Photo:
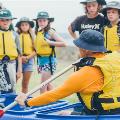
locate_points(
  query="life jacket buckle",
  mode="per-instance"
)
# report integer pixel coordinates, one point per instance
(94, 109)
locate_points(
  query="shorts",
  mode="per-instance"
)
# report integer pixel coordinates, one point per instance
(44, 64)
(47, 68)
(28, 66)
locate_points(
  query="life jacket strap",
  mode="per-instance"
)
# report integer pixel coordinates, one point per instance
(52, 54)
(118, 30)
(23, 44)
(86, 61)
(3, 43)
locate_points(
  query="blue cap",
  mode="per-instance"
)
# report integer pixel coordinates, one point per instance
(91, 40)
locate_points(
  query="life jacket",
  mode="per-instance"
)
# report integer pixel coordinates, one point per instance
(41, 45)
(26, 44)
(7, 45)
(112, 37)
(43, 48)
(107, 100)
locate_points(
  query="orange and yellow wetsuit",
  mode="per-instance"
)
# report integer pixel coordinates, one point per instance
(86, 80)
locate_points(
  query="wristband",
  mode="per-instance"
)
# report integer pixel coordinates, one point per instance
(26, 104)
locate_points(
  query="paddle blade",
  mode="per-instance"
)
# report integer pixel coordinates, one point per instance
(1, 113)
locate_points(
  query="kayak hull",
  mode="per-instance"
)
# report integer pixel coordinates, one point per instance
(48, 112)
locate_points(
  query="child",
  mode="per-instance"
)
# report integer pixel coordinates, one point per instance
(112, 30)
(46, 41)
(91, 20)
(9, 52)
(26, 40)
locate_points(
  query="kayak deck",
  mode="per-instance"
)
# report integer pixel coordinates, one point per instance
(48, 112)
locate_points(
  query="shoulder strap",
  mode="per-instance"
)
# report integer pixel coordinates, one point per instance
(85, 109)
(118, 30)
(3, 43)
(95, 102)
(106, 34)
(51, 55)
(86, 61)
(53, 47)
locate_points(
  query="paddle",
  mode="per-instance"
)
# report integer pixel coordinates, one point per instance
(2, 111)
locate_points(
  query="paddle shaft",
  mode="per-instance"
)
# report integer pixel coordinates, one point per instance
(41, 85)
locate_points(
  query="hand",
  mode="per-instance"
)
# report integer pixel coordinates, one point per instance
(19, 75)
(21, 98)
(24, 59)
(48, 41)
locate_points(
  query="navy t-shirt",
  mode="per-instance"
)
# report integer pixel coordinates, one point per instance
(83, 22)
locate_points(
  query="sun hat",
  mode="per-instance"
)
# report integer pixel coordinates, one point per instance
(91, 40)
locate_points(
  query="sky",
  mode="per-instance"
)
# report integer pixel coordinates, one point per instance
(64, 11)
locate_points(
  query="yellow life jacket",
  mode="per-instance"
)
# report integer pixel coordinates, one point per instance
(7, 45)
(26, 44)
(42, 47)
(111, 38)
(109, 96)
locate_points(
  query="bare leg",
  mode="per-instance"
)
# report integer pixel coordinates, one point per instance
(45, 76)
(25, 81)
(49, 87)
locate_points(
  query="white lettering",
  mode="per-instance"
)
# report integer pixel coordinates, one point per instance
(88, 26)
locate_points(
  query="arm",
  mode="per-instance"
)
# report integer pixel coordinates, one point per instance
(59, 42)
(78, 82)
(19, 68)
(26, 58)
(33, 54)
(74, 26)
(73, 34)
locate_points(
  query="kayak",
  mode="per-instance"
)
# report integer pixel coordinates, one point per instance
(53, 114)
(48, 112)
(24, 113)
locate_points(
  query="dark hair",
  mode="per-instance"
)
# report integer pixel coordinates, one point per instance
(86, 11)
(46, 29)
(119, 13)
(105, 14)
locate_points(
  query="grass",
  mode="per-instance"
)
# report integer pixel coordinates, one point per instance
(35, 79)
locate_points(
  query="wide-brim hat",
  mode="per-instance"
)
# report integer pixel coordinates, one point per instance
(25, 19)
(6, 14)
(91, 40)
(8, 18)
(113, 4)
(44, 15)
(101, 2)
